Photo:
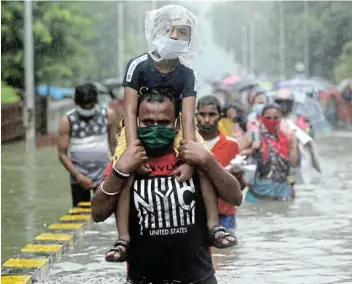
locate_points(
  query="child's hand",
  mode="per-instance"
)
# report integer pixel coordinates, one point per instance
(144, 169)
(183, 172)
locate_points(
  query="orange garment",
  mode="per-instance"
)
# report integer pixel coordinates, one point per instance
(225, 150)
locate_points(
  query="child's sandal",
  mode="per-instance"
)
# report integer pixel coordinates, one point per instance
(117, 248)
(217, 241)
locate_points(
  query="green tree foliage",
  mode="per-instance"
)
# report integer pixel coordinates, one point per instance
(103, 49)
(73, 41)
(329, 27)
(8, 94)
(59, 29)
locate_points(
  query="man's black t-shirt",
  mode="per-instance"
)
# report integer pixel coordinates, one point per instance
(168, 227)
(141, 72)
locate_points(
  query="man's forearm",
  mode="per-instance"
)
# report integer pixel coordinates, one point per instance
(104, 205)
(66, 161)
(227, 186)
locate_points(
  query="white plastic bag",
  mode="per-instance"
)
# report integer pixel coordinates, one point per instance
(159, 23)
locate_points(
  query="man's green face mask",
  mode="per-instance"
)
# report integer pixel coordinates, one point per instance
(156, 137)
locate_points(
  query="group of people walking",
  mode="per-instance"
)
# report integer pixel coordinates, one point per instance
(164, 175)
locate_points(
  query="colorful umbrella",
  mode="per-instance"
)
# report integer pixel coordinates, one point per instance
(232, 80)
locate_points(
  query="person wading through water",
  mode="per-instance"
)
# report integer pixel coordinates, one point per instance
(169, 237)
(87, 140)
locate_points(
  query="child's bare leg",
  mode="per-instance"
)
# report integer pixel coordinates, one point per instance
(121, 218)
(187, 131)
(210, 201)
(131, 101)
(211, 207)
(188, 113)
(184, 171)
(130, 109)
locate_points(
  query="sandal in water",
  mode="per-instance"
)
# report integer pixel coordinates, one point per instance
(218, 241)
(118, 248)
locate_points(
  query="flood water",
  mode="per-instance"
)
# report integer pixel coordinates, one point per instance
(35, 192)
(308, 240)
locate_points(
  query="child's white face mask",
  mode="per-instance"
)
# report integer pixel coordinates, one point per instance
(161, 22)
(168, 48)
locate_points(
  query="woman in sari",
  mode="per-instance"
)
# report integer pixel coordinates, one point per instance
(273, 153)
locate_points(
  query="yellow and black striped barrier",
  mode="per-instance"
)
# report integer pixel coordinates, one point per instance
(84, 204)
(35, 259)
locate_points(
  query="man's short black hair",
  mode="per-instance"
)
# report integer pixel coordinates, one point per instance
(209, 100)
(85, 94)
(159, 95)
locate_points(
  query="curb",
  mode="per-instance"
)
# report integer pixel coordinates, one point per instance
(36, 259)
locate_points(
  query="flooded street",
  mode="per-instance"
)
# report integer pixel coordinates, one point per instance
(35, 192)
(257, 71)
(305, 241)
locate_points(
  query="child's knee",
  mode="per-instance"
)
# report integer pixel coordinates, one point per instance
(201, 140)
(177, 141)
(121, 145)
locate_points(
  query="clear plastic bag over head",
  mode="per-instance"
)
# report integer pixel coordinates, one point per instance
(167, 23)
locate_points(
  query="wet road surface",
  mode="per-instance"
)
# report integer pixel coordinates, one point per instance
(308, 240)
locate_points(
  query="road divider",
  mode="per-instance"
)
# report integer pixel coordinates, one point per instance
(34, 261)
